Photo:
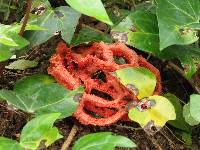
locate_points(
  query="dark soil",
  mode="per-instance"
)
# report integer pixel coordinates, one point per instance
(12, 121)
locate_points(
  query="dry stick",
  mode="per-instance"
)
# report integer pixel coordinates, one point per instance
(28, 10)
(181, 72)
(69, 139)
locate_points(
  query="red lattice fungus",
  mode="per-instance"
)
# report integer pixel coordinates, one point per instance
(104, 99)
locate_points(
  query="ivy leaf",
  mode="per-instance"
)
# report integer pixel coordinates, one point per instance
(159, 114)
(4, 38)
(102, 140)
(61, 19)
(9, 36)
(10, 40)
(8, 144)
(187, 115)
(195, 106)
(146, 38)
(174, 16)
(7, 40)
(37, 94)
(141, 30)
(30, 84)
(22, 64)
(92, 8)
(5, 52)
(87, 34)
(180, 121)
(39, 129)
(143, 79)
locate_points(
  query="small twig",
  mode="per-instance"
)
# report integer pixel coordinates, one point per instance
(28, 10)
(69, 139)
(174, 135)
(175, 67)
(181, 72)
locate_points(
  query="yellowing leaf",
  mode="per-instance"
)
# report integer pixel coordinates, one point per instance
(159, 114)
(143, 79)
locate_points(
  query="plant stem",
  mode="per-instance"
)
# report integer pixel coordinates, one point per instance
(69, 139)
(28, 10)
(181, 72)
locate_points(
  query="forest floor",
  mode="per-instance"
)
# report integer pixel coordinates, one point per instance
(12, 121)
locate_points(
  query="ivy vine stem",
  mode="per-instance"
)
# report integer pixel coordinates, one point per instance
(69, 139)
(28, 10)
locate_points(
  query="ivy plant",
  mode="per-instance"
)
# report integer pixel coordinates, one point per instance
(62, 19)
(38, 94)
(178, 20)
(102, 140)
(34, 132)
(10, 40)
(141, 29)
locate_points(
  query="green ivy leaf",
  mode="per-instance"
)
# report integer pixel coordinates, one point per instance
(9, 37)
(37, 94)
(8, 144)
(10, 40)
(102, 141)
(180, 121)
(22, 64)
(195, 106)
(28, 85)
(87, 34)
(174, 16)
(143, 79)
(187, 115)
(6, 40)
(141, 29)
(146, 38)
(39, 129)
(61, 19)
(92, 8)
(20, 41)
(159, 114)
(5, 52)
